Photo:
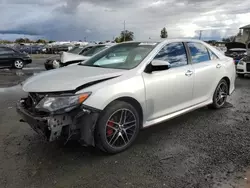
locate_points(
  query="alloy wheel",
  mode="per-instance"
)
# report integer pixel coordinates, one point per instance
(18, 64)
(221, 94)
(120, 128)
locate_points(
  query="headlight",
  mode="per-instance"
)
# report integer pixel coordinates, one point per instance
(241, 62)
(66, 103)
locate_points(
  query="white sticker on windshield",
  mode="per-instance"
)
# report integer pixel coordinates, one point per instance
(148, 43)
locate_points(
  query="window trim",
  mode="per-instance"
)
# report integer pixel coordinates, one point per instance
(186, 52)
(190, 55)
(212, 53)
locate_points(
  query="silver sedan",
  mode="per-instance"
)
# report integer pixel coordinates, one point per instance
(106, 100)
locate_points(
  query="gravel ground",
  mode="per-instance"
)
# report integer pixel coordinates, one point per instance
(204, 148)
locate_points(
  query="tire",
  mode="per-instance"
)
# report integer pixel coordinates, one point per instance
(220, 95)
(240, 75)
(18, 64)
(113, 137)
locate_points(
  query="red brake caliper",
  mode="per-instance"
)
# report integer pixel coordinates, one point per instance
(109, 129)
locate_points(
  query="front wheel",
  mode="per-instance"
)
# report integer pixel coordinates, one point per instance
(220, 95)
(117, 127)
(18, 64)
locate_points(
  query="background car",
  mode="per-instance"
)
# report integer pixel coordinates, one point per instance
(243, 67)
(13, 58)
(236, 50)
(76, 55)
(54, 62)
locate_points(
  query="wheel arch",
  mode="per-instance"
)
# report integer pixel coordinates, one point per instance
(134, 103)
(228, 83)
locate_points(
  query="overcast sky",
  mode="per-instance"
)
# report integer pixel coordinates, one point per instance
(103, 19)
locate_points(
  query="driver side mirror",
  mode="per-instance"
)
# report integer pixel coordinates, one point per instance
(157, 65)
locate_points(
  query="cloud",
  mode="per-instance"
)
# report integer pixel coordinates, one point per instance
(103, 19)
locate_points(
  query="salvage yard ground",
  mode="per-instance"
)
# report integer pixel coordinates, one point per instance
(204, 148)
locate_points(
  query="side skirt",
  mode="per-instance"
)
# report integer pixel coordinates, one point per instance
(175, 114)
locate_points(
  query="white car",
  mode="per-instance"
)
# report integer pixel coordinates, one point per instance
(104, 103)
(71, 58)
(243, 67)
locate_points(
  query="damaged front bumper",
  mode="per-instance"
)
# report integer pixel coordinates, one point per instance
(78, 124)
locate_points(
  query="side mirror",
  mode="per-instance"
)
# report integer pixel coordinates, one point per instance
(160, 63)
(157, 65)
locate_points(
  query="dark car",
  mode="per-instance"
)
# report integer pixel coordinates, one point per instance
(13, 58)
(236, 50)
(32, 49)
(54, 61)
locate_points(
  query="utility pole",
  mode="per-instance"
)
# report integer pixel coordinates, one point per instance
(124, 31)
(200, 35)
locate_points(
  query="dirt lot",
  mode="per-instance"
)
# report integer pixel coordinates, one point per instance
(204, 148)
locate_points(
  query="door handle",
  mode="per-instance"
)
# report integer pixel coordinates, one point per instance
(218, 66)
(189, 73)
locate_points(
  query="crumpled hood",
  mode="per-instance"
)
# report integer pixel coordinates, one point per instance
(68, 78)
(67, 57)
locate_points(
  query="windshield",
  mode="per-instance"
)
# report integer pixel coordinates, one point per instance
(94, 50)
(121, 56)
(75, 50)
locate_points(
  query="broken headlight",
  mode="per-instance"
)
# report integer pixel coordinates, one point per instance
(66, 103)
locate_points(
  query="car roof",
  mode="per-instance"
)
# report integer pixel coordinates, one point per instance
(166, 41)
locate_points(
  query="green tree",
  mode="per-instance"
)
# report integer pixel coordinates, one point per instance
(41, 41)
(117, 39)
(164, 33)
(126, 36)
(51, 41)
(20, 40)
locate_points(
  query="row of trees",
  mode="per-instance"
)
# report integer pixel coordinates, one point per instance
(129, 35)
(26, 40)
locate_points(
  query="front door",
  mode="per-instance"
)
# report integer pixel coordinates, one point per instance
(169, 90)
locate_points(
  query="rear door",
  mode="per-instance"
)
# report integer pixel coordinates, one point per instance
(206, 71)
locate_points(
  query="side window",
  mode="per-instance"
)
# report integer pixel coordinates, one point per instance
(4, 50)
(199, 52)
(174, 53)
(212, 55)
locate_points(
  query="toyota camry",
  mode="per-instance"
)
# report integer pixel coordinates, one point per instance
(106, 100)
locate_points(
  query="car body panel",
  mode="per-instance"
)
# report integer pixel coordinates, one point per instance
(71, 77)
(163, 82)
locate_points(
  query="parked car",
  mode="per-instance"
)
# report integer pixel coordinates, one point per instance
(13, 58)
(243, 67)
(55, 61)
(236, 50)
(70, 58)
(32, 49)
(106, 104)
(75, 56)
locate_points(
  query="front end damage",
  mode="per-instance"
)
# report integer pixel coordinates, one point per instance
(77, 124)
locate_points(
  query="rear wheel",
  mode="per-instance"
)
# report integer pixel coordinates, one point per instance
(240, 75)
(117, 127)
(18, 64)
(220, 95)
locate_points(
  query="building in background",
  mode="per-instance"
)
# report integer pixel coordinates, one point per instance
(244, 34)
